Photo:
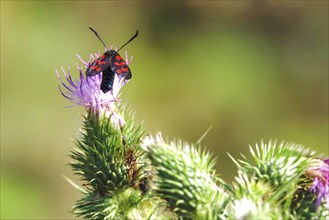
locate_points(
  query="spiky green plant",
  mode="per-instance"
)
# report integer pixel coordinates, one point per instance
(282, 170)
(126, 175)
(186, 179)
(107, 159)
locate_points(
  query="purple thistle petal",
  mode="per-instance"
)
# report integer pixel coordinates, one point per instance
(127, 58)
(69, 78)
(59, 87)
(320, 171)
(64, 72)
(91, 57)
(80, 89)
(58, 76)
(82, 61)
(78, 67)
(68, 88)
(60, 79)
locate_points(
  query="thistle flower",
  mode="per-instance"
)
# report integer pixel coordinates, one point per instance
(320, 171)
(86, 90)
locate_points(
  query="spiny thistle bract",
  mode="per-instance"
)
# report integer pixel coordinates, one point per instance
(102, 156)
(276, 164)
(186, 179)
(251, 199)
(311, 200)
(128, 176)
(285, 169)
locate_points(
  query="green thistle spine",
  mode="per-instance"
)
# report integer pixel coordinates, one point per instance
(107, 158)
(185, 178)
(281, 168)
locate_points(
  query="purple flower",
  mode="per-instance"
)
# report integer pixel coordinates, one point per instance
(320, 171)
(86, 90)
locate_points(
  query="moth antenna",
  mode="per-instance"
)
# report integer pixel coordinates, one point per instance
(132, 38)
(95, 32)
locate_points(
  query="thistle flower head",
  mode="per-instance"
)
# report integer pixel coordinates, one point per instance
(320, 171)
(86, 90)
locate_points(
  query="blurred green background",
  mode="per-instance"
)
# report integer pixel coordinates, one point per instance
(252, 70)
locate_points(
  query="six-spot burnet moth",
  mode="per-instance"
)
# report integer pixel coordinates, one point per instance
(110, 63)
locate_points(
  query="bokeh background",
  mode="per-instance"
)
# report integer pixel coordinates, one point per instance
(252, 70)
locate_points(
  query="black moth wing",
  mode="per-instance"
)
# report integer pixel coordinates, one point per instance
(99, 65)
(119, 66)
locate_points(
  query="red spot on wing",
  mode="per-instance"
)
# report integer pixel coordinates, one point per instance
(93, 67)
(99, 62)
(98, 69)
(118, 57)
(122, 63)
(122, 70)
